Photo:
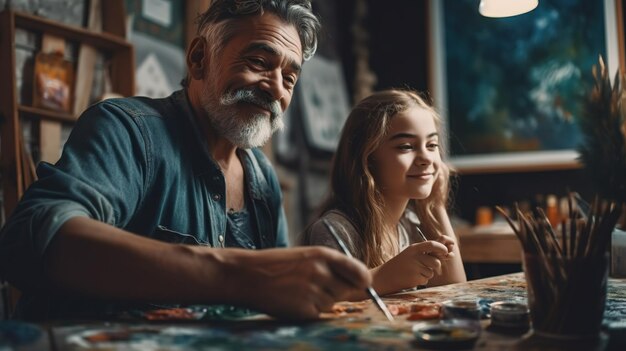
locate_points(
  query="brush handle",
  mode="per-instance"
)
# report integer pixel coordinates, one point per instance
(369, 290)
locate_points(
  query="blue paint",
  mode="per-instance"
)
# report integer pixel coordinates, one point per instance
(14, 333)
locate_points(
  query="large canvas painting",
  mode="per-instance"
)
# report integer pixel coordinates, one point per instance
(511, 89)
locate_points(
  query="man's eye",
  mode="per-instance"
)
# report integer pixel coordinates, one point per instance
(256, 62)
(290, 81)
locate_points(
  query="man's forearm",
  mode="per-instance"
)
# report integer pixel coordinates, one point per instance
(92, 258)
(95, 259)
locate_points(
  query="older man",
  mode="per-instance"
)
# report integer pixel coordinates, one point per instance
(152, 200)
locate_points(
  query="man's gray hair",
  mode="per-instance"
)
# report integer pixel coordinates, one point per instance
(213, 24)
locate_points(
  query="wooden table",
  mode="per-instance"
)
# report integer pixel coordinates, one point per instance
(365, 328)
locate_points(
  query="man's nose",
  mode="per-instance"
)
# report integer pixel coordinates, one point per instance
(273, 86)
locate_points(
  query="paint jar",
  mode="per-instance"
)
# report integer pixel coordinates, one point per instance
(566, 295)
(509, 317)
(445, 335)
(462, 309)
(618, 253)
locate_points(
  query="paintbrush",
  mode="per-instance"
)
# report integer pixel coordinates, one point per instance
(421, 233)
(370, 291)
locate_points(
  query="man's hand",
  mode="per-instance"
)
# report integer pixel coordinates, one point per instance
(297, 283)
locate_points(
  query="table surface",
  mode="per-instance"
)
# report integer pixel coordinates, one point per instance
(354, 326)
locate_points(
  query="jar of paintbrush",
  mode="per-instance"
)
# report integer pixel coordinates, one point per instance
(566, 269)
(566, 295)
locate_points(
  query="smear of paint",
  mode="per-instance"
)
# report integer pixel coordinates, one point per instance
(13, 333)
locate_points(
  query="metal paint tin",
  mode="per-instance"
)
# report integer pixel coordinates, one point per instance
(461, 308)
(509, 314)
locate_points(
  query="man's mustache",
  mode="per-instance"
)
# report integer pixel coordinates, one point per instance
(253, 96)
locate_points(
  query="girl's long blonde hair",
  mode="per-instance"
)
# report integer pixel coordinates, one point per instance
(353, 188)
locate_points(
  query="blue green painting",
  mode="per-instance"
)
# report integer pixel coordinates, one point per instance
(518, 83)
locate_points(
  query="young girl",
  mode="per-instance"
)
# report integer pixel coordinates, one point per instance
(388, 186)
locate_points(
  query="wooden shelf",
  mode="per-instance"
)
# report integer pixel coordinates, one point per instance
(40, 113)
(17, 173)
(102, 40)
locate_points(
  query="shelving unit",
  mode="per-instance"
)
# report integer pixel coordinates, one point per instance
(15, 162)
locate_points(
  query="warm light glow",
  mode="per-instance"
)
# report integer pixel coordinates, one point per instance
(506, 8)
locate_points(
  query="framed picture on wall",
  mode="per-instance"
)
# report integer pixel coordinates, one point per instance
(511, 89)
(157, 29)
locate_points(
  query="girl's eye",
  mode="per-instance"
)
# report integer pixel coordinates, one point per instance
(433, 145)
(405, 147)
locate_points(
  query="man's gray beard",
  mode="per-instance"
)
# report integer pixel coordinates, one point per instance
(243, 131)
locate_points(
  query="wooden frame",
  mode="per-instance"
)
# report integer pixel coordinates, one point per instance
(504, 161)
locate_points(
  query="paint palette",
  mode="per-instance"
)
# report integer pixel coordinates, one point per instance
(416, 311)
(197, 313)
(349, 334)
(345, 308)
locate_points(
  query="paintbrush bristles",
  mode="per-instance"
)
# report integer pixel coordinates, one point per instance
(582, 235)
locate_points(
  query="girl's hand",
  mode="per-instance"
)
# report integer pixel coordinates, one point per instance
(449, 244)
(414, 266)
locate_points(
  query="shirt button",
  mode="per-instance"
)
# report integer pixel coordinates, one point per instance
(217, 197)
(220, 238)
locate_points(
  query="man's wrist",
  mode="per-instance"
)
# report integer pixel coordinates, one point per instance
(235, 275)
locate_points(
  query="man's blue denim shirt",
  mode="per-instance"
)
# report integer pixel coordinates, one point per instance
(142, 165)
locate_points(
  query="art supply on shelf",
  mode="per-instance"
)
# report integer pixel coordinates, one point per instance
(53, 82)
(484, 215)
(552, 210)
(370, 291)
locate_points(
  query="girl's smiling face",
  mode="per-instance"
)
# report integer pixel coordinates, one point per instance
(407, 162)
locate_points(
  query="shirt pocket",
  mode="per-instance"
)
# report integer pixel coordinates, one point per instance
(163, 233)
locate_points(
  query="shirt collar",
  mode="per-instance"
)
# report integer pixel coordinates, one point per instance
(202, 161)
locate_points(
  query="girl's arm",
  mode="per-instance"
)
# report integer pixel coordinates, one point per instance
(452, 270)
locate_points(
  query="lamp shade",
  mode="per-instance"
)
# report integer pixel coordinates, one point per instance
(506, 8)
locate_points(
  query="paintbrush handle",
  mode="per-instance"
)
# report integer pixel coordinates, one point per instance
(421, 233)
(379, 303)
(369, 290)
